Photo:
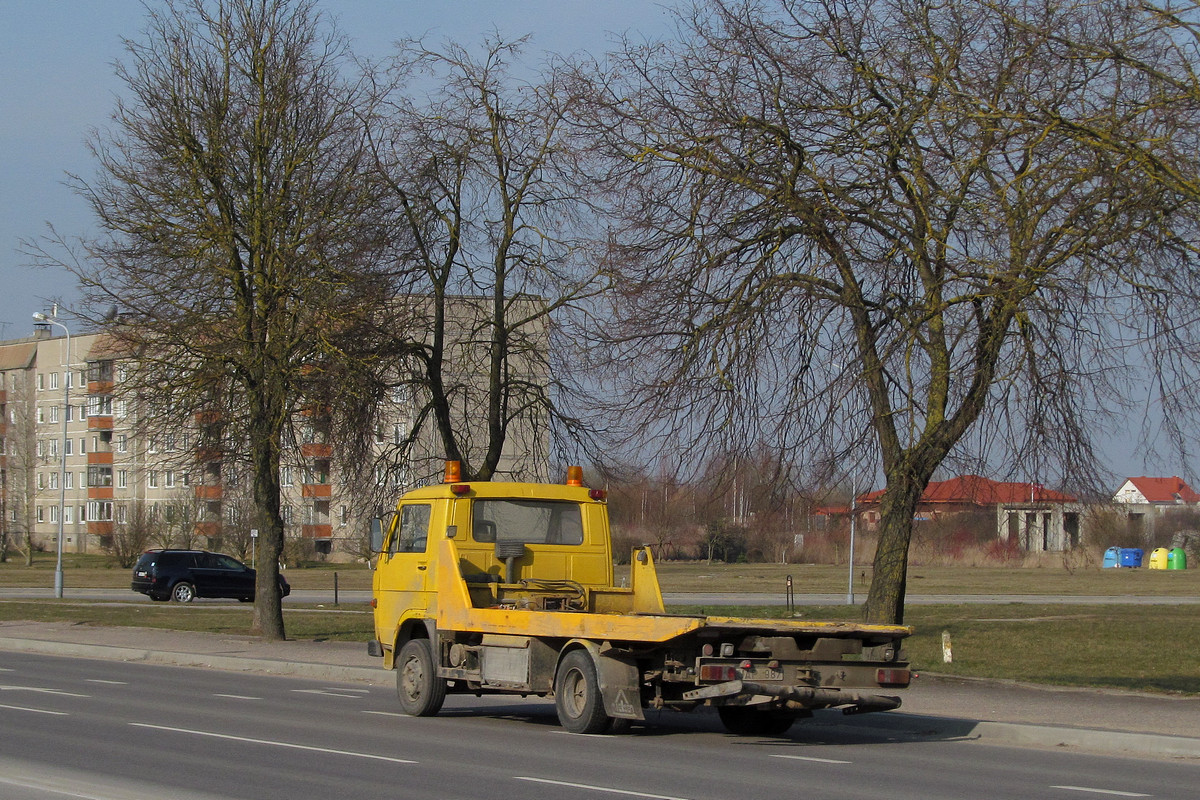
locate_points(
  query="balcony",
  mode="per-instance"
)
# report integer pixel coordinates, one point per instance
(100, 422)
(98, 528)
(100, 493)
(316, 490)
(321, 450)
(316, 531)
(100, 457)
(209, 529)
(100, 387)
(210, 492)
(204, 418)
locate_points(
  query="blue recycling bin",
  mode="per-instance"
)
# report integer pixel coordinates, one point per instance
(1112, 557)
(1131, 556)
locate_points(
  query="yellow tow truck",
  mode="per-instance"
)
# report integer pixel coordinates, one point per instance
(488, 587)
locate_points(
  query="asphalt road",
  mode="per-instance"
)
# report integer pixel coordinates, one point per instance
(673, 598)
(118, 731)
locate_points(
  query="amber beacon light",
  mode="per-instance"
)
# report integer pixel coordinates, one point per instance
(574, 476)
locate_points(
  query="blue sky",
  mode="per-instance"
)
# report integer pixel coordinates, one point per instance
(56, 59)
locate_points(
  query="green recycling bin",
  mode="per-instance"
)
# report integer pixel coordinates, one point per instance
(1177, 559)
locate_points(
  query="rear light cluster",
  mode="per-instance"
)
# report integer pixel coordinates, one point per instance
(718, 672)
(893, 677)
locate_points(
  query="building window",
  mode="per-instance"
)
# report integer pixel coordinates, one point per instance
(54, 513)
(53, 480)
(41, 415)
(152, 445)
(67, 513)
(41, 384)
(53, 380)
(100, 405)
(53, 414)
(122, 479)
(101, 475)
(152, 479)
(169, 479)
(285, 476)
(41, 481)
(121, 516)
(41, 514)
(83, 446)
(122, 444)
(68, 446)
(345, 517)
(69, 477)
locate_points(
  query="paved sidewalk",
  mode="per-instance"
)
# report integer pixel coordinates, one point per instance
(934, 707)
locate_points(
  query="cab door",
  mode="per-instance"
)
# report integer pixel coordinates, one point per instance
(406, 580)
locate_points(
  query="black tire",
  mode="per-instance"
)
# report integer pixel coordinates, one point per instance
(420, 690)
(577, 695)
(746, 721)
(183, 592)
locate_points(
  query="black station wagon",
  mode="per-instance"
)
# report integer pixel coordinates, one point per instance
(183, 575)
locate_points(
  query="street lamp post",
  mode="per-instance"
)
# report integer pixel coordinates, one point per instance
(62, 475)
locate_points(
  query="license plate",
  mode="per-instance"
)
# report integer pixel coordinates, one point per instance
(766, 674)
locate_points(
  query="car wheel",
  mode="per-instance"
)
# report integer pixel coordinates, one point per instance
(420, 690)
(183, 592)
(745, 721)
(577, 695)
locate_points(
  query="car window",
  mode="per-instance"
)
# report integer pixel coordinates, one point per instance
(413, 536)
(227, 562)
(177, 559)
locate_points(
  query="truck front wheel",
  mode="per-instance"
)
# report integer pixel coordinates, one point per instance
(420, 690)
(577, 695)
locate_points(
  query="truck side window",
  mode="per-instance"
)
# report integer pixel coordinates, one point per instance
(529, 521)
(413, 535)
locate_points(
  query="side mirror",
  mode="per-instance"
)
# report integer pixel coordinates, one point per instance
(375, 542)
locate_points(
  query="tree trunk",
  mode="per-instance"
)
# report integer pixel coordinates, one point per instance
(265, 441)
(897, 506)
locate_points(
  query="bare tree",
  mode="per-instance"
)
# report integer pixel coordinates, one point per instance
(239, 212)
(493, 237)
(133, 531)
(898, 232)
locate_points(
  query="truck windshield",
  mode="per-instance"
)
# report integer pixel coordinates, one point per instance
(529, 521)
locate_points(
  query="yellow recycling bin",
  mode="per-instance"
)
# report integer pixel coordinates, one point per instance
(1158, 559)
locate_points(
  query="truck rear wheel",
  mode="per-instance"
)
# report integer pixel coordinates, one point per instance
(420, 690)
(749, 721)
(577, 695)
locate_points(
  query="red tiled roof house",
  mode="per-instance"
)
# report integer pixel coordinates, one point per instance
(1037, 518)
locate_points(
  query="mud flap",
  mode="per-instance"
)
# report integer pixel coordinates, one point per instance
(619, 686)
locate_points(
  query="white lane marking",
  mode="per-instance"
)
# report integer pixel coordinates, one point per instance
(269, 743)
(328, 692)
(36, 710)
(386, 713)
(237, 697)
(1112, 792)
(42, 787)
(607, 789)
(812, 758)
(107, 683)
(39, 690)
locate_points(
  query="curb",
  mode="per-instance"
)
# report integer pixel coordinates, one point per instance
(265, 666)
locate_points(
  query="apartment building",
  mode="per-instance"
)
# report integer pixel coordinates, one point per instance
(76, 455)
